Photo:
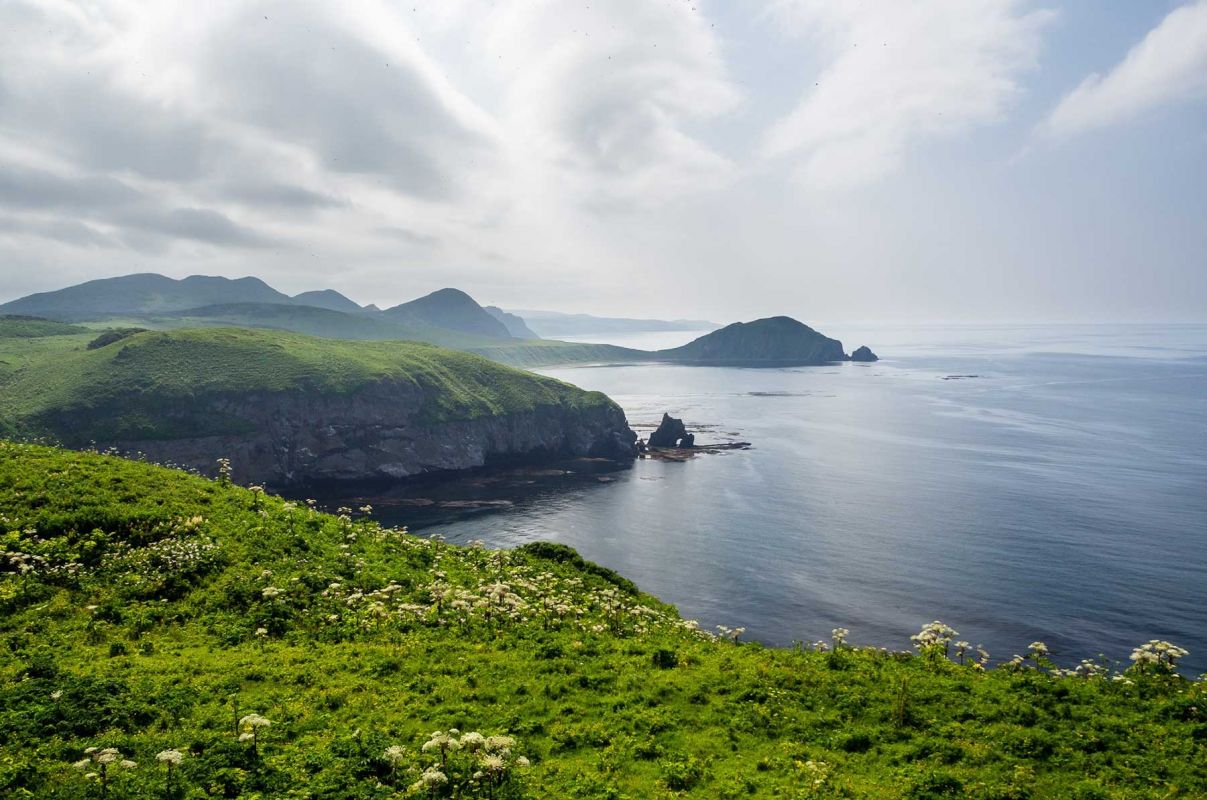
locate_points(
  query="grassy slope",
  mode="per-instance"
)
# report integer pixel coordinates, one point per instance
(19, 327)
(339, 325)
(118, 391)
(151, 643)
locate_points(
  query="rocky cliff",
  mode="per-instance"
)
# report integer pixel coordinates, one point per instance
(296, 438)
(291, 409)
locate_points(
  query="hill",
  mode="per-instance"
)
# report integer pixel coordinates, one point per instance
(515, 325)
(312, 321)
(328, 299)
(293, 408)
(770, 341)
(452, 309)
(226, 643)
(142, 294)
(16, 326)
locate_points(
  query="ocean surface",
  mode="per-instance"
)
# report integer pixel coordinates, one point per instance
(1015, 482)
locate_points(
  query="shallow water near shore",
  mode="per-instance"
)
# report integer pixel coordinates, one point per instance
(1017, 482)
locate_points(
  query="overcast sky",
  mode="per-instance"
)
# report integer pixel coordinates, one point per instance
(831, 160)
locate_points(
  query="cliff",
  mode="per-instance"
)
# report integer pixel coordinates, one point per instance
(290, 409)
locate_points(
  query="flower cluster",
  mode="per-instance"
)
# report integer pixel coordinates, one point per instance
(934, 637)
(470, 764)
(99, 764)
(1159, 655)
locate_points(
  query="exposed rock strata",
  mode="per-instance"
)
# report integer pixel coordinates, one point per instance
(379, 432)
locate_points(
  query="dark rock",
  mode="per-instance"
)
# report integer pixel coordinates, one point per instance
(671, 433)
(864, 354)
(298, 437)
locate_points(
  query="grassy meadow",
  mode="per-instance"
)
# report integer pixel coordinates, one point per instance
(165, 635)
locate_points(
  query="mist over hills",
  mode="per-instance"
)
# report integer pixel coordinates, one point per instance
(448, 317)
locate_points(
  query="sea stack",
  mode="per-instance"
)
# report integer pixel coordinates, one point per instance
(864, 353)
(672, 433)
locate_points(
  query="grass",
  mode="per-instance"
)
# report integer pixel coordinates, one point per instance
(15, 326)
(59, 387)
(145, 609)
(523, 353)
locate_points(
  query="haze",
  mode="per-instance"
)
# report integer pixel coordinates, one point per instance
(938, 160)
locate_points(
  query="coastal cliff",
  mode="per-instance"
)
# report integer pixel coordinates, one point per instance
(289, 409)
(379, 432)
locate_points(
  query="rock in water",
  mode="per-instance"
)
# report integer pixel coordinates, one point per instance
(864, 353)
(671, 433)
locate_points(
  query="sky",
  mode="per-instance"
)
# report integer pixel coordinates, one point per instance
(860, 160)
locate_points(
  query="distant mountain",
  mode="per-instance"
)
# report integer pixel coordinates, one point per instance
(515, 324)
(770, 341)
(553, 323)
(145, 293)
(452, 309)
(328, 299)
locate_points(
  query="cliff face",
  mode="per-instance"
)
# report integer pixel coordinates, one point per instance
(297, 437)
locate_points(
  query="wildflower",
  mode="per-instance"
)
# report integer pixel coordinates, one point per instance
(473, 741)
(839, 637)
(395, 753)
(56, 694)
(250, 726)
(170, 757)
(934, 638)
(961, 649)
(522, 762)
(261, 632)
(1037, 650)
(1158, 654)
(270, 592)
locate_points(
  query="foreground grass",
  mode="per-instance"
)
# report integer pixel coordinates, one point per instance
(150, 611)
(155, 384)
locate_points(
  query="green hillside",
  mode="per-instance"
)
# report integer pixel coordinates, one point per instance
(170, 636)
(310, 320)
(124, 389)
(16, 326)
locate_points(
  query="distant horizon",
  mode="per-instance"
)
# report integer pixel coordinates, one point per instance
(677, 315)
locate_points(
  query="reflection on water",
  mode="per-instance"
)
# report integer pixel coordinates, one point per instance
(1061, 494)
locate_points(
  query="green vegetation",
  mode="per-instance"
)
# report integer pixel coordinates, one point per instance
(164, 384)
(15, 326)
(169, 636)
(774, 340)
(312, 321)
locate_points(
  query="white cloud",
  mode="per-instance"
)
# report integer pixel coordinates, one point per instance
(1168, 66)
(898, 73)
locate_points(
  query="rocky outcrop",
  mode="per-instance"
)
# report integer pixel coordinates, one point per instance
(671, 433)
(864, 353)
(379, 432)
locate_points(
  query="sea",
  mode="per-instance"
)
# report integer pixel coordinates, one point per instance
(1019, 483)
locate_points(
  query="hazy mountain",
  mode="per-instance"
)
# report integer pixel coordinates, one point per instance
(774, 340)
(515, 324)
(144, 293)
(452, 309)
(328, 299)
(554, 323)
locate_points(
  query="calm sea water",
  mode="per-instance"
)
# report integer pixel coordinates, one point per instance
(1057, 491)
